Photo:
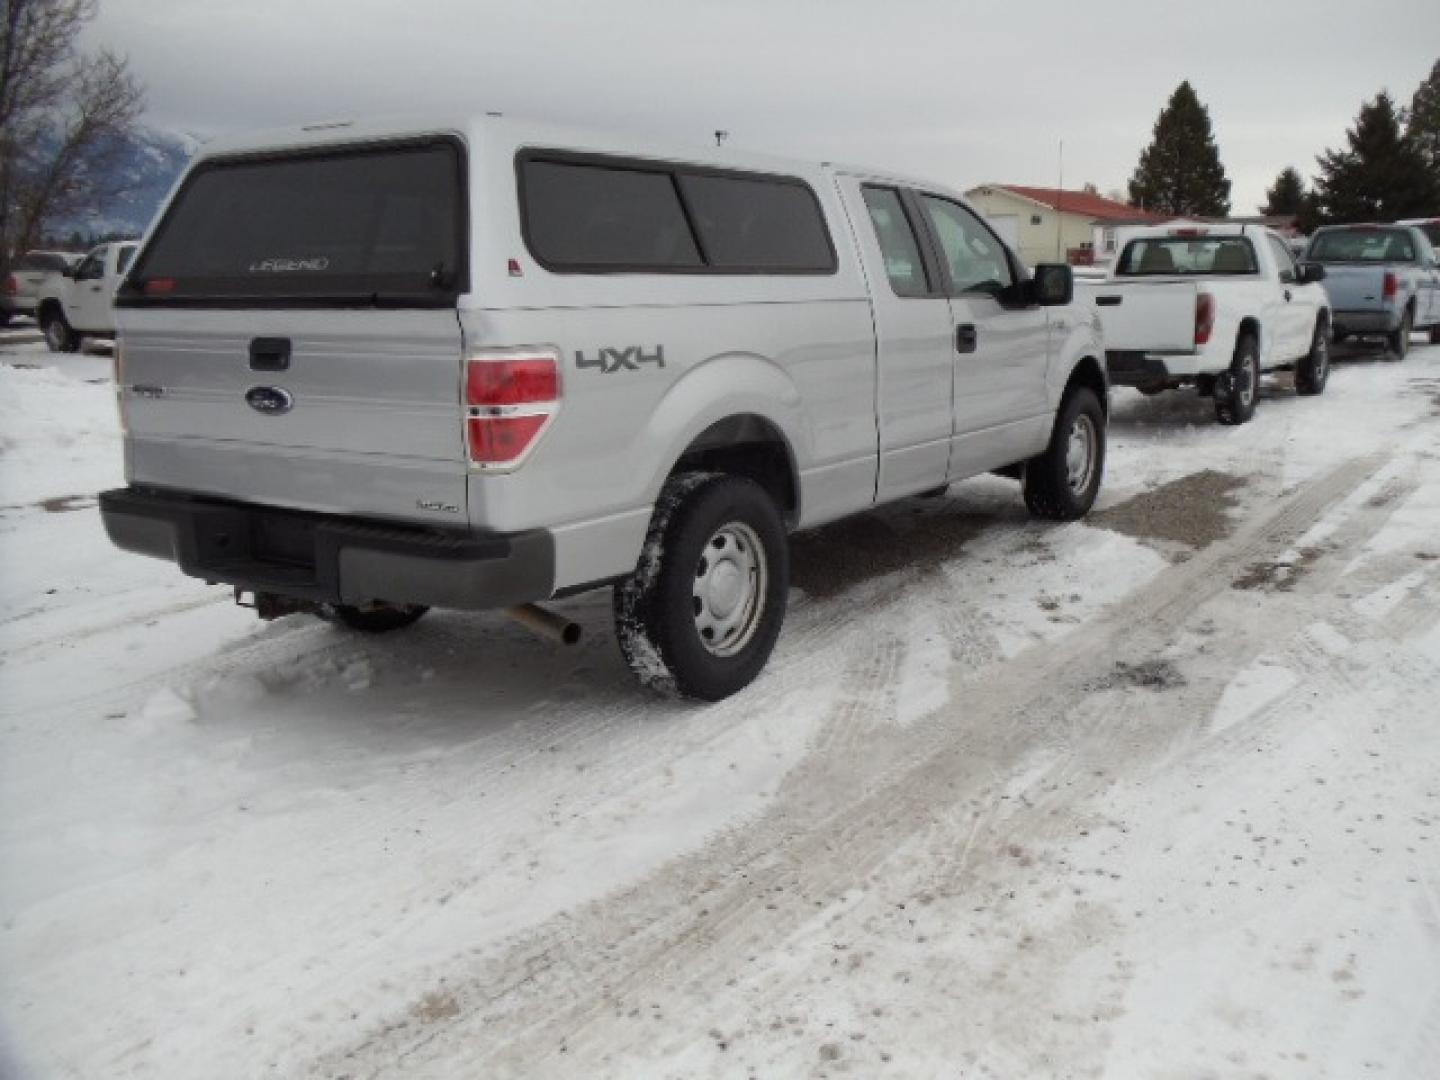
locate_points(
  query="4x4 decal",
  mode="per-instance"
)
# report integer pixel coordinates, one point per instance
(629, 358)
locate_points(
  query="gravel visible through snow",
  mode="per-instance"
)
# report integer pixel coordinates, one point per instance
(1150, 795)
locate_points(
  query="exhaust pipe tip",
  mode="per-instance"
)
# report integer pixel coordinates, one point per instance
(545, 624)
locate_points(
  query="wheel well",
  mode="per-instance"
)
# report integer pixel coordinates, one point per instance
(47, 307)
(1090, 375)
(750, 446)
(1249, 325)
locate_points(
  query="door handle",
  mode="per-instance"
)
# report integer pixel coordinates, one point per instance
(966, 338)
(270, 354)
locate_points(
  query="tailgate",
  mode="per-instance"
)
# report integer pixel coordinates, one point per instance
(364, 417)
(1355, 288)
(1145, 316)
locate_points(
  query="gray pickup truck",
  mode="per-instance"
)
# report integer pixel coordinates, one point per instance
(1381, 280)
(475, 363)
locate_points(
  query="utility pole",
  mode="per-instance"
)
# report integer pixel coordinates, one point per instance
(1059, 201)
(720, 137)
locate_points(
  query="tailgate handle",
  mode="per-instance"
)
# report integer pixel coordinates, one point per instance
(270, 354)
(1108, 301)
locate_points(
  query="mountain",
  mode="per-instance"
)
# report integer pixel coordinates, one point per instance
(144, 170)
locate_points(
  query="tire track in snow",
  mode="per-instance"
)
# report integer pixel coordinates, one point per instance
(681, 930)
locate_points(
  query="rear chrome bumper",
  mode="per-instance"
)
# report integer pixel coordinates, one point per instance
(327, 558)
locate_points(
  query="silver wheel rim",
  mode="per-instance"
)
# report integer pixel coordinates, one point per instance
(54, 336)
(729, 593)
(1080, 453)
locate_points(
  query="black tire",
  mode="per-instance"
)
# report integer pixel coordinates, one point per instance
(1435, 334)
(660, 614)
(5, 318)
(1397, 343)
(1313, 371)
(377, 618)
(1059, 485)
(58, 335)
(1237, 392)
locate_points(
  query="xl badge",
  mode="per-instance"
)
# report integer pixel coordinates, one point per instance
(271, 400)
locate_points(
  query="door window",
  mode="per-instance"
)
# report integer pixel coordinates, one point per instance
(904, 265)
(92, 268)
(1283, 260)
(975, 258)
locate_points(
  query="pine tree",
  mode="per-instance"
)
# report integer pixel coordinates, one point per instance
(1381, 177)
(1180, 171)
(1287, 197)
(1422, 120)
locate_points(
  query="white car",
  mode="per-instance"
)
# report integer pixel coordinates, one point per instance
(80, 302)
(1213, 307)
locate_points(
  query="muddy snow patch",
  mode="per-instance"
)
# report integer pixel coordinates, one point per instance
(925, 671)
(1193, 511)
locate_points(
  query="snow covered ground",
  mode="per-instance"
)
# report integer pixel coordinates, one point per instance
(1154, 795)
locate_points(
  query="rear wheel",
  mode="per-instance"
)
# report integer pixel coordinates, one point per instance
(1313, 371)
(700, 615)
(1061, 484)
(58, 335)
(1435, 334)
(1398, 343)
(379, 618)
(1237, 391)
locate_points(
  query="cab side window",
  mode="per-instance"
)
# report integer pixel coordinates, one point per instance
(975, 258)
(91, 268)
(904, 265)
(1284, 261)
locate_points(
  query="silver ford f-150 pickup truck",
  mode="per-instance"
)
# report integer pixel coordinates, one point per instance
(1382, 280)
(364, 369)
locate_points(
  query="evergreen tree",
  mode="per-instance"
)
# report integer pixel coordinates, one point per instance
(1180, 171)
(1422, 120)
(1381, 176)
(1287, 196)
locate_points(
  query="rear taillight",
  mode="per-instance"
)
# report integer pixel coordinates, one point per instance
(510, 399)
(1204, 317)
(12, 285)
(1392, 286)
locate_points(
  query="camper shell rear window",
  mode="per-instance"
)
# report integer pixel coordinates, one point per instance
(380, 224)
(587, 213)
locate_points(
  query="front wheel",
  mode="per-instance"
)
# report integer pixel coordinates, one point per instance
(1313, 371)
(700, 615)
(1398, 343)
(1061, 484)
(1237, 390)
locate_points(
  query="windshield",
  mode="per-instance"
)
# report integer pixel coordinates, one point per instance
(1363, 245)
(380, 224)
(1163, 255)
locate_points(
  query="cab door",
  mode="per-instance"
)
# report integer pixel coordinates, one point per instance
(87, 294)
(1297, 307)
(913, 334)
(1001, 343)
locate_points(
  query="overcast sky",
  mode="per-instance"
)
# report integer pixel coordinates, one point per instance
(960, 92)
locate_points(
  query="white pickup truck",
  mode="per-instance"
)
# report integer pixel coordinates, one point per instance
(1213, 307)
(80, 303)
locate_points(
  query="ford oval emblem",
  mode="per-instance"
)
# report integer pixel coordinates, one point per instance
(271, 400)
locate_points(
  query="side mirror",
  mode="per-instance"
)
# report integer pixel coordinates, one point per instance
(1310, 273)
(1053, 284)
(69, 271)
